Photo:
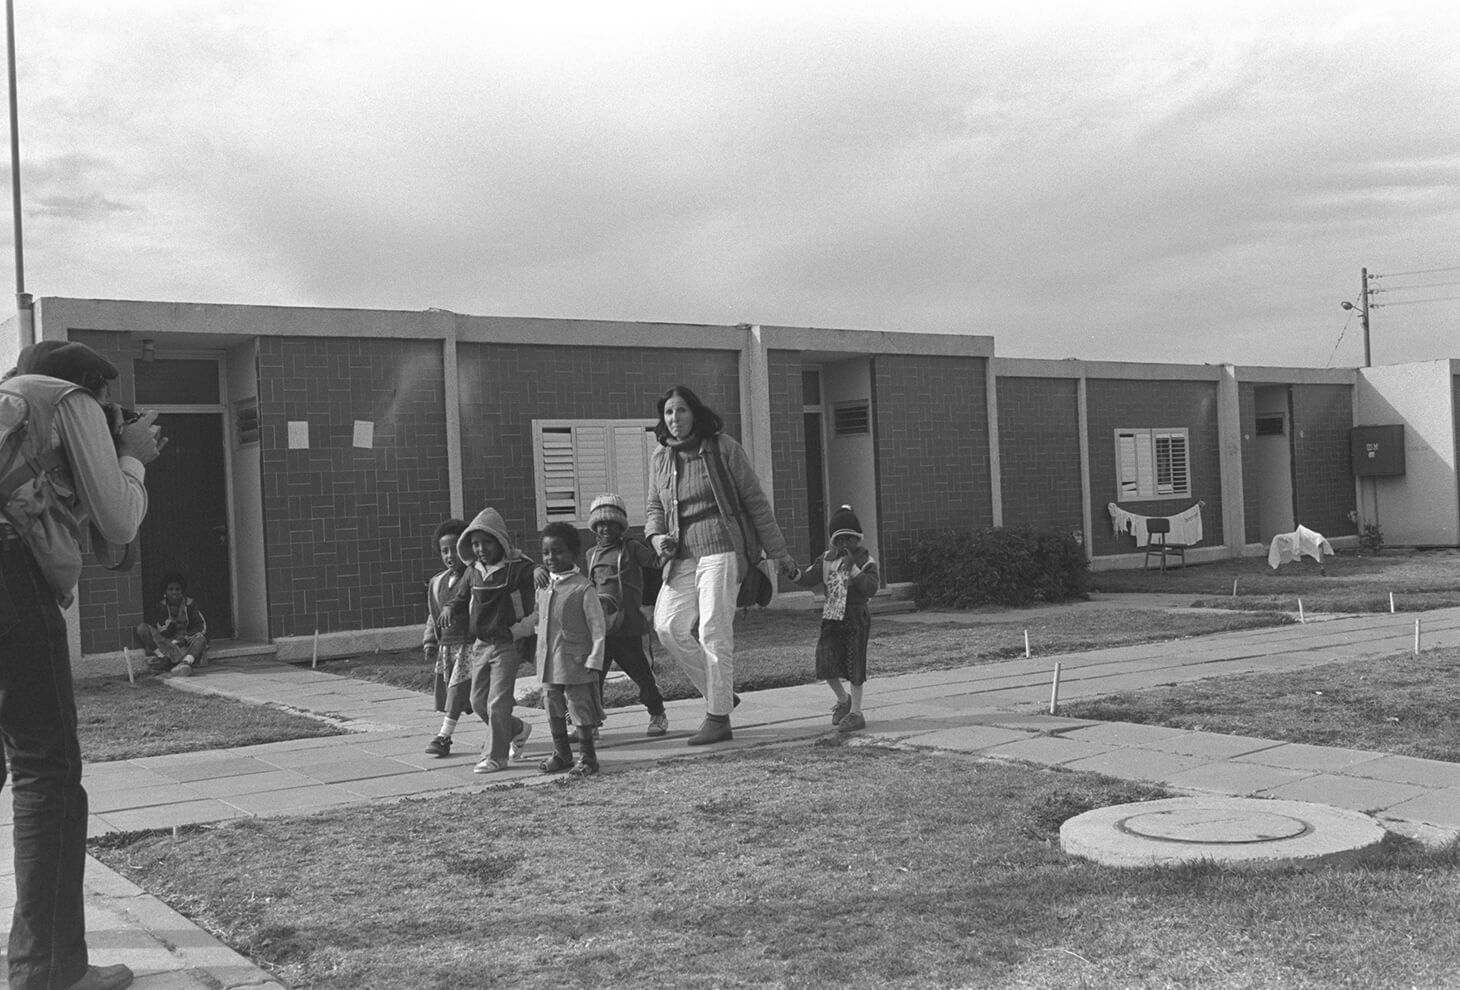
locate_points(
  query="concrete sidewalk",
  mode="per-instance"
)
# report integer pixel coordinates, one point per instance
(995, 711)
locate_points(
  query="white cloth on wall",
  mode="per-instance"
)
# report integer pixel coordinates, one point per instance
(1186, 528)
(1302, 542)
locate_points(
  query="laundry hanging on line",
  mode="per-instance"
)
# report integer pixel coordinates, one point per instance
(1185, 526)
(1302, 542)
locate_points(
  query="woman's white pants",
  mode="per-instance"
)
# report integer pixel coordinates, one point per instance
(703, 590)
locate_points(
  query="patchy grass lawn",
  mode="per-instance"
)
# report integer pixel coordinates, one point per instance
(122, 721)
(1347, 582)
(814, 867)
(1403, 704)
(777, 647)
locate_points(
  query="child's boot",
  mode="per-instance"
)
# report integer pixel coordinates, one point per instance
(587, 764)
(562, 758)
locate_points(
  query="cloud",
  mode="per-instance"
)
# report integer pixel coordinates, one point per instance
(1148, 180)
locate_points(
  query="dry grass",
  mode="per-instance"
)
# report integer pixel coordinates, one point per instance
(1407, 705)
(815, 867)
(1347, 582)
(122, 721)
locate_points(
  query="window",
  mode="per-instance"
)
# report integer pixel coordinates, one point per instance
(1152, 464)
(575, 460)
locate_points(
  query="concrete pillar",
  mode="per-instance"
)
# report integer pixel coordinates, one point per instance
(1229, 444)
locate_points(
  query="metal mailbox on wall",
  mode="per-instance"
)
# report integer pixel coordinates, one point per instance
(1377, 451)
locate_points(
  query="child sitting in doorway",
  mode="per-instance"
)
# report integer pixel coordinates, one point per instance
(174, 634)
(849, 575)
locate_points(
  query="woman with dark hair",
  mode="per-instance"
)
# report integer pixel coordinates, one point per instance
(709, 518)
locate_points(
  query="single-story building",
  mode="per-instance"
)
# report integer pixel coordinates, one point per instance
(312, 451)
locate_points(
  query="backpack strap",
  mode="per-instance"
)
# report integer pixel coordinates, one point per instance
(30, 470)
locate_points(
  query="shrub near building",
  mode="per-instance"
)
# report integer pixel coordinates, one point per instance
(1014, 565)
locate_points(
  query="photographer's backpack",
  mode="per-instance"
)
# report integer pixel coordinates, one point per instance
(28, 480)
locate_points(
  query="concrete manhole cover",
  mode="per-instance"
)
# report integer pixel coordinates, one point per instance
(1211, 825)
(1225, 830)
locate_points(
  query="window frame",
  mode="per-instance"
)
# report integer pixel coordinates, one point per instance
(1151, 454)
(575, 460)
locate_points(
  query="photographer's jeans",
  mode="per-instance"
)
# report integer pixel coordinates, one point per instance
(38, 724)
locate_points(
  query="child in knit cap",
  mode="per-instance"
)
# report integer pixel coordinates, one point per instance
(849, 575)
(617, 566)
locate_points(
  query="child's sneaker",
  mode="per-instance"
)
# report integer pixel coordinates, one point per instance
(839, 710)
(658, 724)
(440, 746)
(184, 669)
(852, 722)
(489, 765)
(517, 749)
(583, 768)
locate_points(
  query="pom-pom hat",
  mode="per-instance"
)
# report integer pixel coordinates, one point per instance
(608, 507)
(844, 522)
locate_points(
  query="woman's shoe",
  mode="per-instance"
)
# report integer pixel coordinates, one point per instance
(852, 723)
(715, 728)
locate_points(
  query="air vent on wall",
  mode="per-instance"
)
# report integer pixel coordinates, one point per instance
(1269, 426)
(246, 421)
(852, 419)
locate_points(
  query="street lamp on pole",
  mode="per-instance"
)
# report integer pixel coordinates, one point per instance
(1363, 311)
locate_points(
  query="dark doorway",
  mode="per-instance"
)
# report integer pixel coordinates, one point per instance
(815, 484)
(186, 528)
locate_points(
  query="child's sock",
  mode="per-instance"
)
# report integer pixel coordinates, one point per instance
(448, 726)
(856, 697)
(559, 728)
(585, 744)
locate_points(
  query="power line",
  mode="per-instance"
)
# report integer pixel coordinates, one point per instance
(1422, 285)
(1422, 271)
(1411, 302)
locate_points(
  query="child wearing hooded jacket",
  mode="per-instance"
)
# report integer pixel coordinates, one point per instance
(498, 602)
(849, 575)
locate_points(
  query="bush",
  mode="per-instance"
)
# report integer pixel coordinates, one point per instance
(1006, 565)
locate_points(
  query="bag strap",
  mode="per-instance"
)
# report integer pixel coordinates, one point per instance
(29, 470)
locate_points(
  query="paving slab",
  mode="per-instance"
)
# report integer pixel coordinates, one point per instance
(1357, 793)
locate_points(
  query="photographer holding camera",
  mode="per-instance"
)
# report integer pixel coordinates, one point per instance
(72, 459)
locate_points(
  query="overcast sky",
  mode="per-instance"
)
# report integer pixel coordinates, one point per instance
(1162, 182)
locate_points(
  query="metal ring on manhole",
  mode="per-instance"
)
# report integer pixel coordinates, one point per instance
(1209, 826)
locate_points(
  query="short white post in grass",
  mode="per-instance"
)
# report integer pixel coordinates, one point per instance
(314, 661)
(1054, 690)
(127, 656)
(1026, 644)
(1234, 587)
(1300, 611)
(1416, 637)
(1391, 603)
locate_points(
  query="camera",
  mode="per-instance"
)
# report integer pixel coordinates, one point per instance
(118, 417)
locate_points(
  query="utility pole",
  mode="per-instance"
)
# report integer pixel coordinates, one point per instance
(24, 306)
(1364, 312)
(1363, 308)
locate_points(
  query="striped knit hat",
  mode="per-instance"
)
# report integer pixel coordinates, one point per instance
(608, 507)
